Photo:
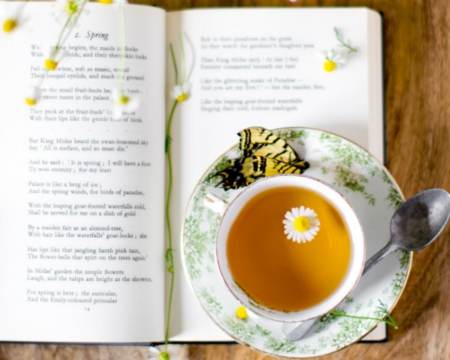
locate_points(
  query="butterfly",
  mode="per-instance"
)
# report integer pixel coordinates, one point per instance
(263, 154)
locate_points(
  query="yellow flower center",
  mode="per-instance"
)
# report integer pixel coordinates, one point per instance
(105, 2)
(329, 65)
(182, 97)
(241, 312)
(30, 101)
(71, 7)
(123, 100)
(301, 224)
(50, 64)
(9, 25)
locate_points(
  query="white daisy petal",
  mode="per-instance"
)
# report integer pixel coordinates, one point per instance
(290, 216)
(117, 112)
(295, 230)
(186, 87)
(322, 55)
(133, 104)
(176, 91)
(155, 352)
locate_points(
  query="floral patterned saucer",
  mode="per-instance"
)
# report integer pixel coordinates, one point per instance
(373, 193)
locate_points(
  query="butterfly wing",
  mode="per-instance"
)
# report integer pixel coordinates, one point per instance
(233, 175)
(263, 154)
(262, 142)
(244, 171)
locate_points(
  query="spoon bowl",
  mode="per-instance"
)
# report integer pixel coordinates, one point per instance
(419, 221)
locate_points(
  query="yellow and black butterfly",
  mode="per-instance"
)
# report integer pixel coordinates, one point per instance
(263, 154)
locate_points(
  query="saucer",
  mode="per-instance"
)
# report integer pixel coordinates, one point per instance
(372, 192)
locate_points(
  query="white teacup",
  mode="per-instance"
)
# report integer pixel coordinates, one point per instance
(329, 194)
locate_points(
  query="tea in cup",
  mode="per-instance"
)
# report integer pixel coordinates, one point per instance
(289, 247)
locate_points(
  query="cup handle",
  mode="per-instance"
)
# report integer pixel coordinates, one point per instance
(215, 203)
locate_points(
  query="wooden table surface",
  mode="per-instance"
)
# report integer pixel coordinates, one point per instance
(417, 85)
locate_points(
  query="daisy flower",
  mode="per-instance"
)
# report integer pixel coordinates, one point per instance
(13, 19)
(109, 2)
(67, 13)
(331, 60)
(156, 354)
(181, 92)
(301, 224)
(33, 95)
(123, 102)
(9, 24)
(55, 56)
(70, 7)
(241, 312)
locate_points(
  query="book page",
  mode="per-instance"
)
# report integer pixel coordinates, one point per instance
(262, 67)
(81, 211)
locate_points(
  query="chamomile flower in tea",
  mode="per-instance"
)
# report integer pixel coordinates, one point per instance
(181, 92)
(331, 60)
(301, 224)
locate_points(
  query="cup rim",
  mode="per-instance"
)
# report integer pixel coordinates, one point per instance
(295, 316)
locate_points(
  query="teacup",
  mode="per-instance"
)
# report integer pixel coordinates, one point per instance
(279, 265)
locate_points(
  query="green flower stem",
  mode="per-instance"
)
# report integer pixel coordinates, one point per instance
(389, 320)
(60, 42)
(169, 252)
(183, 57)
(338, 37)
(174, 64)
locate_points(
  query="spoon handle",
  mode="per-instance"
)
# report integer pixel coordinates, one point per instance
(296, 331)
(378, 256)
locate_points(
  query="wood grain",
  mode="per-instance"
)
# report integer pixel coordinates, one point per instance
(417, 74)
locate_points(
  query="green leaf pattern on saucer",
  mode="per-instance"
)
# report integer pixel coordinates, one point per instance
(369, 188)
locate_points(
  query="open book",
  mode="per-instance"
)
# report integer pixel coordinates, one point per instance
(82, 205)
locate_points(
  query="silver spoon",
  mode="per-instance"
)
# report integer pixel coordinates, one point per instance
(415, 224)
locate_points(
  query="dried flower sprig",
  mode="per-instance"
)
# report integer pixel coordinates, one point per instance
(330, 59)
(73, 9)
(386, 317)
(342, 43)
(55, 54)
